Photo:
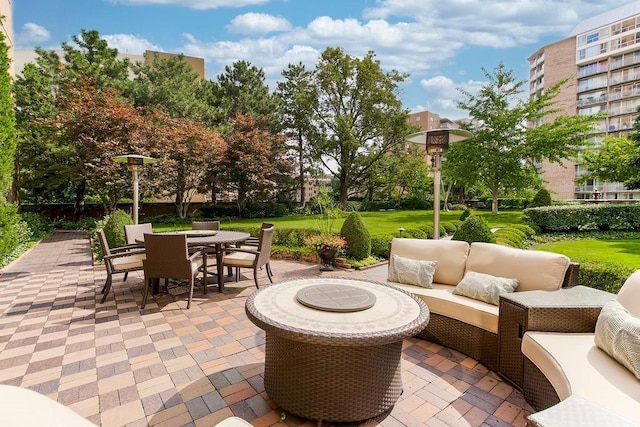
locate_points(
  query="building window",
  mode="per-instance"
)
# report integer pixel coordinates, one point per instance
(593, 37)
(418, 119)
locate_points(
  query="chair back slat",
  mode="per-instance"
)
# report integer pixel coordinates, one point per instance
(133, 232)
(266, 239)
(104, 245)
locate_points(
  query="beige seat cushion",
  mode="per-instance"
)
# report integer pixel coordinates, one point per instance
(441, 300)
(450, 255)
(575, 366)
(128, 262)
(240, 259)
(534, 269)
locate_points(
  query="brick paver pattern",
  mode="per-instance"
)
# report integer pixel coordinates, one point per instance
(117, 365)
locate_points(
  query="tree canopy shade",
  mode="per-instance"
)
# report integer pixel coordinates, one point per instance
(611, 162)
(356, 118)
(7, 122)
(633, 164)
(503, 153)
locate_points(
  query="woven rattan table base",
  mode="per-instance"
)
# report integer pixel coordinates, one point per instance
(332, 383)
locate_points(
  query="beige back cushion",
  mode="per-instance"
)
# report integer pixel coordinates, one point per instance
(534, 269)
(450, 256)
(629, 294)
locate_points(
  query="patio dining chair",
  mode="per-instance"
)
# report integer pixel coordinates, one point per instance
(205, 225)
(118, 260)
(133, 232)
(167, 257)
(252, 257)
(254, 242)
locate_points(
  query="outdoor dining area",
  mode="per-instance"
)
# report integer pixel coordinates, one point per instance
(116, 364)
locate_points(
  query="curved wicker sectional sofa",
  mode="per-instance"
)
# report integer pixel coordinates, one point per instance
(465, 324)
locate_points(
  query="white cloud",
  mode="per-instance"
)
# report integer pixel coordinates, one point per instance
(258, 23)
(31, 35)
(193, 4)
(443, 95)
(128, 43)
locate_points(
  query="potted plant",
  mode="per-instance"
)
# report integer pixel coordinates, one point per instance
(326, 246)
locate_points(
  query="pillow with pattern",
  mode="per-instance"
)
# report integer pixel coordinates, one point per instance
(485, 287)
(411, 271)
(618, 335)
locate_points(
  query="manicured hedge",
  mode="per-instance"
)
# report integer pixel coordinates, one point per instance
(603, 217)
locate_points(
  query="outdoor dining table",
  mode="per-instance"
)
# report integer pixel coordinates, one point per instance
(212, 238)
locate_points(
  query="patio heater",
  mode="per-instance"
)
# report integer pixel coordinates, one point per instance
(437, 141)
(133, 161)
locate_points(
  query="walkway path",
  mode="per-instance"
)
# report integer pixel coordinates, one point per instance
(117, 365)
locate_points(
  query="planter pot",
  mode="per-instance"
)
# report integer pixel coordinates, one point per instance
(327, 255)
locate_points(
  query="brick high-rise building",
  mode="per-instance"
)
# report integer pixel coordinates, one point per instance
(601, 57)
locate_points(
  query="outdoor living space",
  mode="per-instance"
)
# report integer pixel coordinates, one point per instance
(117, 365)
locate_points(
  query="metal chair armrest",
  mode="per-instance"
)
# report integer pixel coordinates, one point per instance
(123, 254)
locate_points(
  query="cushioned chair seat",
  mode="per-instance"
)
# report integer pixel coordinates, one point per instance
(441, 300)
(128, 262)
(575, 366)
(241, 259)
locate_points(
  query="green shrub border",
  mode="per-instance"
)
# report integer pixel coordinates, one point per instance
(602, 217)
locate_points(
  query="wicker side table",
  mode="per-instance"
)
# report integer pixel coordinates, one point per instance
(574, 309)
(334, 366)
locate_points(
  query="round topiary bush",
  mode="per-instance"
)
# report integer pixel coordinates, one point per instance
(542, 198)
(528, 231)
(357, 236)
(114, 228)
(474, 229)
(449, 227)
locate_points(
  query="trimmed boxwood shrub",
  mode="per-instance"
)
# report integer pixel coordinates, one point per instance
(528, 231)
(380, 245)
(114, 228)
(511, 236)
(357, 236)
(603, 276)
(465, 214)
(449, 227)
(542, 198)
(474, 229)
(585, 217)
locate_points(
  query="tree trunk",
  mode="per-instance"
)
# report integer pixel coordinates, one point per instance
(78, 211)
(14, 189)
(344, 192)
(494, 201)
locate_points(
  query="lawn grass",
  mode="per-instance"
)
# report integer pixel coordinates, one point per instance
(385, 222)
(623, 252)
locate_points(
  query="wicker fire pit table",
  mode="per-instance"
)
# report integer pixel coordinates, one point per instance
(334, 345)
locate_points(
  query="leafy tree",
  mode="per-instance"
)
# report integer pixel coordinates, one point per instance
(611, 162)
(296, 97)
(7, 122)
(358, 117)
(256, 160)
(241, 88)
(503, 153)
(88, 58)
(170, 85)
(632, 181)
(185, 149)
(98, 125)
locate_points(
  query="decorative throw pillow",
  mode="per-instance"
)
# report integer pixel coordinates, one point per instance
(618, 335)
(485, 287)
(412, 271)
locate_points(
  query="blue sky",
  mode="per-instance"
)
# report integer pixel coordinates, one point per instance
(442, 44)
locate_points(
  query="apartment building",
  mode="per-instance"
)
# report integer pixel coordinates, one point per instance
(601, 57)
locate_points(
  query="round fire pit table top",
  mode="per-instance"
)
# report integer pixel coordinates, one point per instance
(339, 298)
(395, 314)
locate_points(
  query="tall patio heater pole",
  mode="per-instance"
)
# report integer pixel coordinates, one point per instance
(133, 161)
(436, 143)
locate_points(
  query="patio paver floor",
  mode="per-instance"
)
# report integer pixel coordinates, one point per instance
(168, 366)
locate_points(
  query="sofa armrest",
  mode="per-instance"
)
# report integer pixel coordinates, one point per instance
(571, 276)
